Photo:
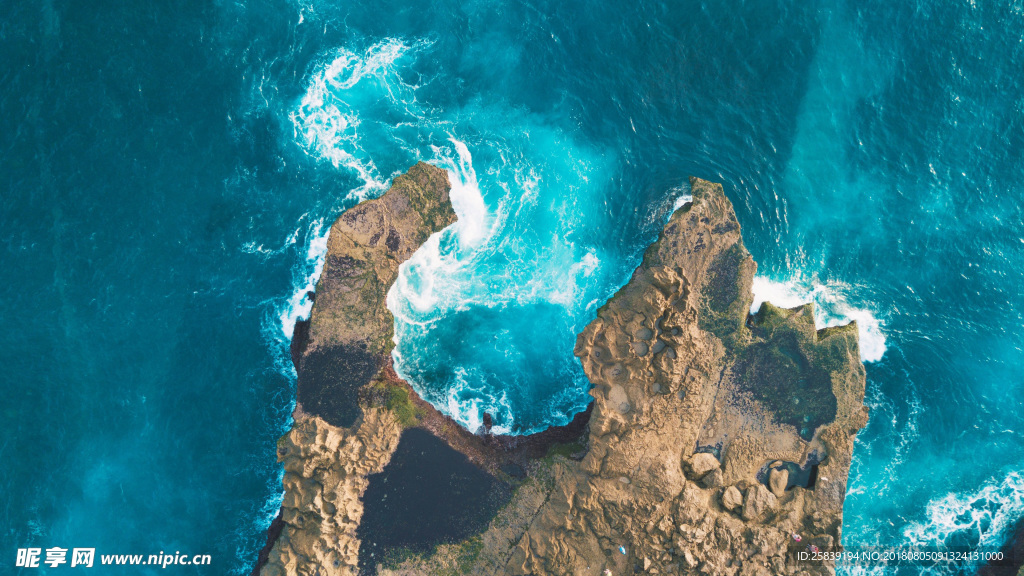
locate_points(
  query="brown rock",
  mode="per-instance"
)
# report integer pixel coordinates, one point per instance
(713, 479)
(701, 463)
(778, 479)
(757, 500)
(731, 498)
(729, 377)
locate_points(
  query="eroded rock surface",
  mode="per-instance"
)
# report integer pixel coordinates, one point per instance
(350, 327)
(338, 438)
(695, 403)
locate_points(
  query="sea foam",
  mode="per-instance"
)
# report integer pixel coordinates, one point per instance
(421, 279)
(328, 123)
(983, 518)
(307, 273)
(284, 312)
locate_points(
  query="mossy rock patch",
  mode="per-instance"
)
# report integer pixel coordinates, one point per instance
(725, 308)
(787, 370)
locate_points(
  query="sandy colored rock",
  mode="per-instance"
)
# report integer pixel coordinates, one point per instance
(325, 476)
(757, 500)
(778, 479)
(731, 498)
(702, 463)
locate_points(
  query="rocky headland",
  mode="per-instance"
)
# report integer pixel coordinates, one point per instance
(718, 442)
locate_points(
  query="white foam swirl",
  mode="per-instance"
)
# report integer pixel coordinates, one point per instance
(328, 124)
(983, 518)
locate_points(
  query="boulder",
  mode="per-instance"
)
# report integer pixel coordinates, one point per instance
(713, 479)
(758, 500)
(778, 479)
(731, 498)
(701, 463)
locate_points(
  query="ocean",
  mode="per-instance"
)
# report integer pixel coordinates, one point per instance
(169, 172)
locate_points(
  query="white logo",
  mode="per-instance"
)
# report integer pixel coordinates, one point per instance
(56, 556)
(83, 557)
(28, 557)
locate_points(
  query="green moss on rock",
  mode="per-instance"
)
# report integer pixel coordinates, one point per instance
(788, 367)
(399, 402)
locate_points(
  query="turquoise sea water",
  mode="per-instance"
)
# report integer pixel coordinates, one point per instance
(169, 172)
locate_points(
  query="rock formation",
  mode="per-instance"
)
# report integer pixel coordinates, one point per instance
(718, 442)
(336, 440)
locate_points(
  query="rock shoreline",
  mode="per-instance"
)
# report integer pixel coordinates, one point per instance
(681, 464)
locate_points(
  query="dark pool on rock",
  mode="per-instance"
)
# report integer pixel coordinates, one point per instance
(330, 379)
(428, 494)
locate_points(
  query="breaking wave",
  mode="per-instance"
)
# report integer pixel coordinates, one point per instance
(283, 313)
(983, 518)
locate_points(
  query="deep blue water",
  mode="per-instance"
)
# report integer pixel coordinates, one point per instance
(168, 172)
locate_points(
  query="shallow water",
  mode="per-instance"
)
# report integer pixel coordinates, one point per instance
(170, 173)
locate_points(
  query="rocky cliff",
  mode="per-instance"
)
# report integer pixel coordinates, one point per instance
(340, 434)
(718, 441)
